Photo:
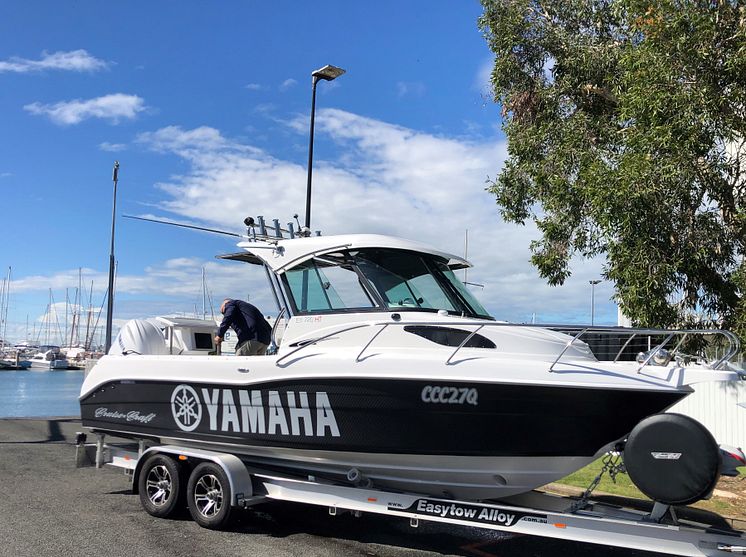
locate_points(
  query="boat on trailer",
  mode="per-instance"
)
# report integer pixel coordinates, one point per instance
(386, 369)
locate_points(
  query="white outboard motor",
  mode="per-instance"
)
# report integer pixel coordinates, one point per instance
(139, 336)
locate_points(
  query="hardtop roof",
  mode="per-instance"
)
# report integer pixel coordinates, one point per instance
(285, 254)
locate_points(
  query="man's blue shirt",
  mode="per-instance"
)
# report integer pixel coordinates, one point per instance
(247, 321)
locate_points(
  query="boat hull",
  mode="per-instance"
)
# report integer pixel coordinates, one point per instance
(53, 365)
(476, 441)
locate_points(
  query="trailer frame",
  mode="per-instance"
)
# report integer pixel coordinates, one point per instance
(534, 513)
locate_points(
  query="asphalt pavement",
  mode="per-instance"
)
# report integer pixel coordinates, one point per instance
(50, 508)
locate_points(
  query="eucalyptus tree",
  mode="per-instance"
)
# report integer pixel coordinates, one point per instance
(626, 123)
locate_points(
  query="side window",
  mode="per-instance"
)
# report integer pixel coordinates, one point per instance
(431, 292)
(324, 288)
(345, 290)
(307, 289)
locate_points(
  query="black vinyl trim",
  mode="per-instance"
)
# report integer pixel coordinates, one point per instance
(400, 416)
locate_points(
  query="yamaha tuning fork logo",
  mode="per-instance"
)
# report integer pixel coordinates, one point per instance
(186, 407)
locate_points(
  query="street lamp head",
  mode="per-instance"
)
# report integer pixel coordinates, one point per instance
(594, 282)
(327, 73)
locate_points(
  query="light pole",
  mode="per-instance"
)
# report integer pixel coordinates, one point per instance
(327, 73)
(110, 302)
(593, 284)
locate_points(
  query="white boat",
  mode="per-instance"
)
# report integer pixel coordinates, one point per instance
(388, 371)
(48, 359)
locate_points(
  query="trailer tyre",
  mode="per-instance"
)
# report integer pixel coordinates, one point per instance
(159, 485)
(209, 496)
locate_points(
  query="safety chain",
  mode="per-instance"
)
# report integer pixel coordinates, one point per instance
(612, 465)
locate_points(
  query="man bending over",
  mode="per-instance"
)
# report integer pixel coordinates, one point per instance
(253, 332)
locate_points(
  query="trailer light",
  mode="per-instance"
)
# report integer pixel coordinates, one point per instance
(560, 525)
(182, 457)
(372, 499)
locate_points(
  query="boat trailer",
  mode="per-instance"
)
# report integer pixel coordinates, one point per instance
(224, 477)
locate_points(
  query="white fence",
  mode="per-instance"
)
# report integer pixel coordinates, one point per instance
(721, 407)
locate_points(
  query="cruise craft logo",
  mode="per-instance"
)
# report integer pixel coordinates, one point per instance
(186, 407)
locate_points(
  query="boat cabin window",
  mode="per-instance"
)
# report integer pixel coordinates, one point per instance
(203, 341)
(403, 280)
(378, 279)
(319, 286)
(461, 289)
(449, 336)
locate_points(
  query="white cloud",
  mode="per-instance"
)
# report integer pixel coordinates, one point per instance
(113, 107)
(58, 281)
(410, 89)
(287, 84)
(172, 287)
(191, 144)
(173, 279)
(112, 147)
(254, 87)
(75, 60)
(389, 179)
(265, 108)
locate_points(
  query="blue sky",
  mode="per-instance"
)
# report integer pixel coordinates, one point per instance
(206, 107)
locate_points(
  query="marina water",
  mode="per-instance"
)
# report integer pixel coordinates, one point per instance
(32, 394)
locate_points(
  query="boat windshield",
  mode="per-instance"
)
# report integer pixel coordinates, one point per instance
(375, 279)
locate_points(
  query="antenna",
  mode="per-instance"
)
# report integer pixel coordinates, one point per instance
(303, 231)
(192, 226)
(466, 251)
(110, 301)
(270, 233)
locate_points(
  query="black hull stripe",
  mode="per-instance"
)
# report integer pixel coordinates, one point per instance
(384, 415)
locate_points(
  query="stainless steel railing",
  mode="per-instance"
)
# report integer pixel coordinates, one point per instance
(724, 340)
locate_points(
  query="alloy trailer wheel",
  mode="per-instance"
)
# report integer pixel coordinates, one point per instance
(159, 485)
(209, 496)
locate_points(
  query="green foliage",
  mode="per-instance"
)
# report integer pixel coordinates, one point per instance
(625, 123)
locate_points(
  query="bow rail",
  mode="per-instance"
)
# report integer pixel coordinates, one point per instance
(608, 344)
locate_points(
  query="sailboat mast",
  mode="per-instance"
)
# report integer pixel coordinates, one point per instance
(204, 296)
(466, 252)
(67, 309)
(4, 312)
(89, 341)
(48, 317)
(79, 305)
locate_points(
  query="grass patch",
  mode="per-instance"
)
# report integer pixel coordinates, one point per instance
(583, 478)
(625, 488)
